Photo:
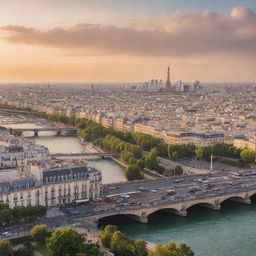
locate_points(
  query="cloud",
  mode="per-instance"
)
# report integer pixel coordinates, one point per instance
(173, 35)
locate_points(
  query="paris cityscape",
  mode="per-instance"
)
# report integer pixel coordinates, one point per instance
(127, 128)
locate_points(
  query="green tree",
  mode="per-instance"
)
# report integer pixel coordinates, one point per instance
(140, 248)
(39, 233)
(6, 248)
(65, 242)
(151, 159)
(247, 155)
(199, 153)
(172, 249)
(174, 155)
(92, 249)
(106, 235)
(133, 172)
(141, 164)
(126, 156)
(178, 170)
(121, 245)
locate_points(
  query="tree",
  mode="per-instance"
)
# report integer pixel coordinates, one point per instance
(126, 156)
(141, 163)
(247, 155)
(178, 170)
(172, 249)
(106, 235)
(133, 172)
(6, 248)
(39, 233)
(151, 159)
(65, 242)
(140, 248)
(121, 245)
(92, 249)
(199, 153)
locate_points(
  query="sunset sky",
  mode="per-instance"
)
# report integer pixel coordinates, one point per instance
(127, 40)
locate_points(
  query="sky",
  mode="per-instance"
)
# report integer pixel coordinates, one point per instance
(127, 40)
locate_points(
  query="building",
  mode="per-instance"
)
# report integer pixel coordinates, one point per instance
(244, 143)
(52, 186)
(18, 151)
(168, 82)
(196, 138)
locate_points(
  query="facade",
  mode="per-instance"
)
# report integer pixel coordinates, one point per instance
(245, 143)
(21, 153)
(50, 187)
(202, 139)
(196, 138)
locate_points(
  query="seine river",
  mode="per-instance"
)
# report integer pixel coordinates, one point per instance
(229, 232)
(111, 171)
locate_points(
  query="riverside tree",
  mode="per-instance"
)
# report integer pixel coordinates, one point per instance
(172, 249)
(133, 172)
(39, 233)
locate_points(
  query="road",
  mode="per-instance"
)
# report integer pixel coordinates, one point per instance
(144, 194)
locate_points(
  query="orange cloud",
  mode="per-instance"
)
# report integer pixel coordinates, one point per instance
(174, 35)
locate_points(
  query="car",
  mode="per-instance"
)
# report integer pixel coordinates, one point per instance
(178, 180)
(141, 188)
(125, 196)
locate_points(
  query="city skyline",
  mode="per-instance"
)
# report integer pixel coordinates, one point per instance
(128, 41)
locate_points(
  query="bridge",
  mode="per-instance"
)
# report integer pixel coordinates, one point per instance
(81, 155)
(36, 131)
(181, 207)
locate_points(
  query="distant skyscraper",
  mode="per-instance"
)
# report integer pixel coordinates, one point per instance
(92, 90)
(168, 82)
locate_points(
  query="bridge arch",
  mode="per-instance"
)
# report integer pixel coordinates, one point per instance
(236, 198)
(172, 210)
(209, 205)
(139, 217)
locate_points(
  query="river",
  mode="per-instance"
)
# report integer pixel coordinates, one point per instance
(111, 171)
(229, 232)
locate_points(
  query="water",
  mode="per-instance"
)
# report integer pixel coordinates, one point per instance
(111, 171)
(229, 232)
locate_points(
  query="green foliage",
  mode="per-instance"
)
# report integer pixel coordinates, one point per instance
(20, 214)
(133, 172)
(106, 235)
(177, 170)
(151, 161)
(65, 242)
(248, 156)
(120, 244)
(179, 151)
(147, 142)
(140, 248)
(162, 150)
(6, 248)
(39, 233)
(204, 153)
(126, 156)
(92, 250)
(172, 249)
(141, 163)
(24, 251)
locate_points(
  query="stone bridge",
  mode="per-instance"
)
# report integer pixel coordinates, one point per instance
(180, 208)
(37, 130)
(81, 155)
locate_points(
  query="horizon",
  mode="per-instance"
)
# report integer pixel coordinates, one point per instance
(130, 41)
